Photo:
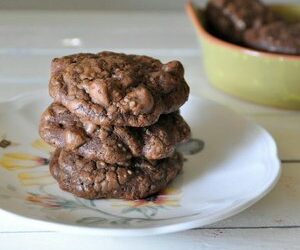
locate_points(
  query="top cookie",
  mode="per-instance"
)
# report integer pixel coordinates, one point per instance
(117, 89)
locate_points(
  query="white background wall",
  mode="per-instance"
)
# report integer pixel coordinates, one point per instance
(153, 5)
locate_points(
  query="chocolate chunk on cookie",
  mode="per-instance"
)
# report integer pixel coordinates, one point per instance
(276, 37)
(231, 18)
(117, 89)
(95, 180)
(112, 144)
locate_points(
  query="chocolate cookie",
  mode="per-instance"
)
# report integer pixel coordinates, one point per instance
(112, 144)
(95, 180)
(231, 18)
(117, 89)
(277, 37)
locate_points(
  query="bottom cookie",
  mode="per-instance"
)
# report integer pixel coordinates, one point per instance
(95, 179)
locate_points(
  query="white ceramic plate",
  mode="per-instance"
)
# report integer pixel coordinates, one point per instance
(237, 166)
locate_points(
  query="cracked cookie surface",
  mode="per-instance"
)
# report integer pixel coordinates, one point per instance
(95, 180)
(117, 89)
(112, 144)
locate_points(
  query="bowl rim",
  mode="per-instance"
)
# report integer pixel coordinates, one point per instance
(191, 10)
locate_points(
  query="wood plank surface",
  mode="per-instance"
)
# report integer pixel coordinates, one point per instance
(212, 239)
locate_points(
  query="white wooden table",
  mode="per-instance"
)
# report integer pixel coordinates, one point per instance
(28, 42)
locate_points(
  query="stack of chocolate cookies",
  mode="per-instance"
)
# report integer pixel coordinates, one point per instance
(115, 124)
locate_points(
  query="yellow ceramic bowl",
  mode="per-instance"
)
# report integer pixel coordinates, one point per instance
(261, 77)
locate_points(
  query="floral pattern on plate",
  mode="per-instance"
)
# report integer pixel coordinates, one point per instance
(32, 170)
(238, 166)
